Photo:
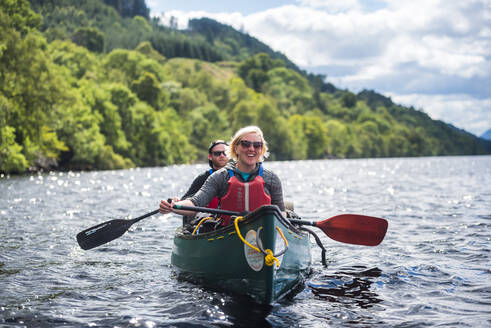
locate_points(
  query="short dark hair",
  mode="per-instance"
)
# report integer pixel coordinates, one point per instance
(214, 143)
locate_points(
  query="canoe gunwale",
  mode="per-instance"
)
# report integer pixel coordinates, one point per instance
(251, 217)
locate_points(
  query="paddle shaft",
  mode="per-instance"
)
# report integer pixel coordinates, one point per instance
(208, 210)
(303, 222)
(225, 212)
(144, 216)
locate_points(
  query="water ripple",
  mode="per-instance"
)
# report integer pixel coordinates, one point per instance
(431, 270)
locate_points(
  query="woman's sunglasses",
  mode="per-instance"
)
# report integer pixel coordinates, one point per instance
(247, 144)
(218, 153)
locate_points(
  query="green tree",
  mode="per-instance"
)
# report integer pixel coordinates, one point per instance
(78, 60)
(20, 16)
(207, 124)
(33, 86)
(186, 99)
(90, 38)
(238, 91)
(348, 99)
(130, 8)
(254, 70)
(312, 131)
(147, 89)
(98, 98)
(124, 66)
(397, 146)
(168, 143)
(290, 90)
(316, 134)
(299, 141)
(11, 157)
(243, 114)
(338, 138)
(276, 131)
(80, 131)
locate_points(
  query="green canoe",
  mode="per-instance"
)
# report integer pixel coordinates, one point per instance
(269, 261)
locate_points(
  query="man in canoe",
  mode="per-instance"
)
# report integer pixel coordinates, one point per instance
(231, 183)
(217, 158)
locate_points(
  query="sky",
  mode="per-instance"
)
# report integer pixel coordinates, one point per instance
(434, 55)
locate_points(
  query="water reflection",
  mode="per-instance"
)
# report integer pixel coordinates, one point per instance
(350, 285)
(243, 311)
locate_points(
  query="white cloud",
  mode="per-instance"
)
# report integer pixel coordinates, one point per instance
(420, 49)
(332, 5)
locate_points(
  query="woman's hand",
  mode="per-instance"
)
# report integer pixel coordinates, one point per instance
(166, 206)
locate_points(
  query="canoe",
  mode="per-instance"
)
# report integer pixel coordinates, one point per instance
(261, 255)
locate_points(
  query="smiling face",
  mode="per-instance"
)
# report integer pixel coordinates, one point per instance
(248, 151)
(218, 156)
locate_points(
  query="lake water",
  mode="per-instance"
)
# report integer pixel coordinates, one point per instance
(432, 269)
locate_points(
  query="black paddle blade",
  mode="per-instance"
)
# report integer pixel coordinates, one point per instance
(103, 233)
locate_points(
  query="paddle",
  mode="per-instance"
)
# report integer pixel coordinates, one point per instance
(347, 228)
(209, 210)
(107, 231)
(351, 228)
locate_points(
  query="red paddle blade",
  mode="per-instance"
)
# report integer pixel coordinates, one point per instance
(355, 229)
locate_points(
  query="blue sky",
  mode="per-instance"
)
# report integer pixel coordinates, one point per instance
(434, 55)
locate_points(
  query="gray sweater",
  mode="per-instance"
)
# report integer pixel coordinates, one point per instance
(216, 185)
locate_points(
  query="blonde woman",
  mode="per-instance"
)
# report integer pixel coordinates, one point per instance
(245, 175)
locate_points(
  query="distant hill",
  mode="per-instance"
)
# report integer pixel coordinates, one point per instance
(237, 45)
(486, 135)
(87, 85)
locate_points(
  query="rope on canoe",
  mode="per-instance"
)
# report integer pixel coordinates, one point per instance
(201, 221)
(269, 258)
(319, 243)
(282, 236)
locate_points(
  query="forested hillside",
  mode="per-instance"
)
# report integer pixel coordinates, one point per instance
(95, 84)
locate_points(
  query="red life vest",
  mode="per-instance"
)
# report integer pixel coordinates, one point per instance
(244, 196)
(215, 201)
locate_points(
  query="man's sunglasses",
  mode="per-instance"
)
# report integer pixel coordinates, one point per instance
(218, 153)
(247, 144)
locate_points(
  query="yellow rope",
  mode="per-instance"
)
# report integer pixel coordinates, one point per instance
(236, 222)
(269, 259)
(282, 236)
(203, 220)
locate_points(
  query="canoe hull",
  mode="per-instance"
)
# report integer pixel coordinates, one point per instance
(220, 258)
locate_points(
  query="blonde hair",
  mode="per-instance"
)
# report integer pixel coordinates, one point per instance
(238, 137)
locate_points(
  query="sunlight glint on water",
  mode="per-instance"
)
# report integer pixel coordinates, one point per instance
(431, 269)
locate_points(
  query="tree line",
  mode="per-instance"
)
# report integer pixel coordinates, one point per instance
(74, 102)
